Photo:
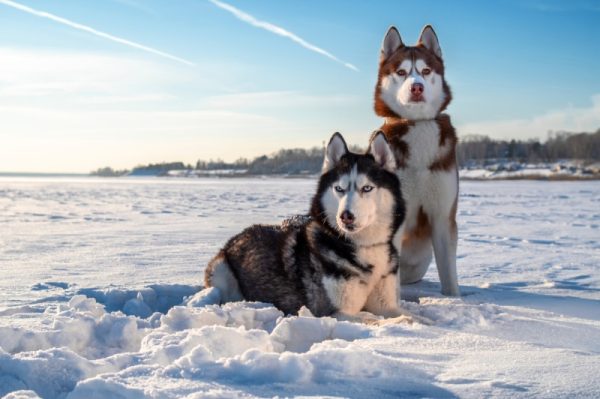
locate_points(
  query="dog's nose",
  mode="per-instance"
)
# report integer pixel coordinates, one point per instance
(347, 217)
(416, 89)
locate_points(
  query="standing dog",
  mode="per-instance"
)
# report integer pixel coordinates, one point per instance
(339, 262)
(410, 94)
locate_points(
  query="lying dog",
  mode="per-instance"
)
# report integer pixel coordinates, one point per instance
(338, 262)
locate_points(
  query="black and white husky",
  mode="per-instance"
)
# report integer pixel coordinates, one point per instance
(339, 262)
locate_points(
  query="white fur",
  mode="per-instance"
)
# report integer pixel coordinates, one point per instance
(348, 296)
(375, 292)
(395, 91)
(436, 193)
(222, 277)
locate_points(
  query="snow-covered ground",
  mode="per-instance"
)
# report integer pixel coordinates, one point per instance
(502, 170)
(99, 298)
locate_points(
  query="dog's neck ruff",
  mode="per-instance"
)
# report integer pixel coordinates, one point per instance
(354, 241)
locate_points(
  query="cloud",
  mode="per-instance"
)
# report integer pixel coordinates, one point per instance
(571, 119)
(245, 17)
(78, 26)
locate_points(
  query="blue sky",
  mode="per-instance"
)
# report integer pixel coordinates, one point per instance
(158, 80)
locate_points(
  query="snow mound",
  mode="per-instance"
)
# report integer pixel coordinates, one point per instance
(86, 349)
(251, 349)
(141, 302)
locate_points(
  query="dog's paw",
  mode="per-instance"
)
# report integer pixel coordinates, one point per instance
(403, 319)
(393, 320)
(305, 312)
(360, 317)
(400, 316)
(205, 297)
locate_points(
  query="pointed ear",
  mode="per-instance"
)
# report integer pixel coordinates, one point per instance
(429, 39)
(336, 149)
(381, 151)
(391, 43)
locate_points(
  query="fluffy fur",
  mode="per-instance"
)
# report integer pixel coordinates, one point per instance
(410, 94)
(339, 261)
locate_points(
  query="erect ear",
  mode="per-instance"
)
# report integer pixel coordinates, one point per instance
(381, 151)
(429, 39)
(336, 149)
(391, 43)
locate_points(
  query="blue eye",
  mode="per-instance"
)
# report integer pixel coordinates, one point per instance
(339, 189)
(366, 189)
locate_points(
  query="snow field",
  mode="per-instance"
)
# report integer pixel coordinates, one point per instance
(106, 302)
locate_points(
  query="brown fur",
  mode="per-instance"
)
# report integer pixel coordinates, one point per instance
(421, 231)
(447, 160)
(393, 133)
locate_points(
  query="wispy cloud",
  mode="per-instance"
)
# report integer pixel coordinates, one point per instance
(243, 16)
(75, 25)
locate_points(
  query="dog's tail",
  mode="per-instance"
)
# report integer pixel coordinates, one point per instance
(219, 274)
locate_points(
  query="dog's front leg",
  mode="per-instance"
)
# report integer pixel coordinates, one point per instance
(383, 299)
(444, 240)
(348, 296)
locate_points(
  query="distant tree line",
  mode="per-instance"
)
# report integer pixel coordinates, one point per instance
(561, 145)
(295, 161)
(474, 149)
(109, 172)
(158, 169)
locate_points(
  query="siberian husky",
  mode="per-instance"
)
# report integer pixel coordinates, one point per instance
(341, 260)
(410, 94)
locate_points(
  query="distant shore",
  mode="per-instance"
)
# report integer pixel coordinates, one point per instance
(465, 175)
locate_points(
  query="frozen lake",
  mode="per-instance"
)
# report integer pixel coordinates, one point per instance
(85, 263)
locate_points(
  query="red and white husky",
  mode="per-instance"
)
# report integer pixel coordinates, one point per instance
(410, 94)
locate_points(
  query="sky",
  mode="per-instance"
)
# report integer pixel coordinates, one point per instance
(120, 83)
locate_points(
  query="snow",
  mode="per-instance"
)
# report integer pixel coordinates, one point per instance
(100, 297)
(499, 170)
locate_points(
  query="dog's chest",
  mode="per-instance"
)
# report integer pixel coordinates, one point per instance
(423, 141)
(378, 257)
(422, 185)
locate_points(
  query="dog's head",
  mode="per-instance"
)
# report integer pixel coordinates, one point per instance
(410, 83)
(359, 193)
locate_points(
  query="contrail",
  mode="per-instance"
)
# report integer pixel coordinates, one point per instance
(75, 25)
(243, 16)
